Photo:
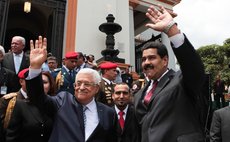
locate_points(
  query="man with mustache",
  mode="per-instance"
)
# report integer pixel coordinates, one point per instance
(166, 108)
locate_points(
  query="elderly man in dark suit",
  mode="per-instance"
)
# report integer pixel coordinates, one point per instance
(167, 107)
(78, 118)
(16, 60)
(220, 126)
(127, 128)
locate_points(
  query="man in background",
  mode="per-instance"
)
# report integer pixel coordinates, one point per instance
(7, 77)
(16, 60)
(127, 128)
(65, 77)
(109, 73)
(219, 88)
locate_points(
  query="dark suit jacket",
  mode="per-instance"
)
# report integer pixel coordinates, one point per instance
(220, 126)
(8, 62)
(28, 124)
(3, 107)
(7, 78)
(68, 115)
(131, 131)
(172, 114)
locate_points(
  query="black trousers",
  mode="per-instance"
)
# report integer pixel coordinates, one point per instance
(217, 98)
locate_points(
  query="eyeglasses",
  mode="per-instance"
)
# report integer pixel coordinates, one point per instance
(86, 84)
(121, 92)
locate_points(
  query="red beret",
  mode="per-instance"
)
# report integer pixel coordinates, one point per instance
(71, 55)
(108, 65)
(21, 74)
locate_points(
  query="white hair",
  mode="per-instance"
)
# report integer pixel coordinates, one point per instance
(2, 50)
(22, 39)
(96, 76)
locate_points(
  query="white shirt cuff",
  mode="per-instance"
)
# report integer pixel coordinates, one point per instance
(33, 73)
(177, 40)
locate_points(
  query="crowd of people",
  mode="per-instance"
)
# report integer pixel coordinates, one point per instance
(83, 102)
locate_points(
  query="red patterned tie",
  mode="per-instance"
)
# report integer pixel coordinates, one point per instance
(121, 119)
(150, 93)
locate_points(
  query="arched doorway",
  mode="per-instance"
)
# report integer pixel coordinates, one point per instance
(46, 18)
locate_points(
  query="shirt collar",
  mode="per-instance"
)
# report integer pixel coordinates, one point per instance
(125, 110)
(67, 70)
(19, 55)
(106, 80)
(24, 94)
(91, 106)
(161, 76)
(82, 66)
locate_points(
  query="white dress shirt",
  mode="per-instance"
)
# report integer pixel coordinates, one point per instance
(92, 118)
(17, 61)
(125, 112)
(24, 94)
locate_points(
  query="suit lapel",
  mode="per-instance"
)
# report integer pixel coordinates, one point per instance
(11, 59)
(162, 83)
(20, 96)
(127, 118)
(141, 109)
(22, 62)
(66, 75)
(79, 111)
(101, 121)
(2, 80)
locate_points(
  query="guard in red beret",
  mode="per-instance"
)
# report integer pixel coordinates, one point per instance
(65, 76)
(108, 65)
(21, 74)
(71, 55)
(109, 73)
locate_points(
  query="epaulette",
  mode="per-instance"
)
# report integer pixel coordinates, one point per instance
(57, 69)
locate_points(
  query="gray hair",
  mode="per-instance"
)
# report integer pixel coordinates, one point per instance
(22, 39)
(96, 76)
(2, 50)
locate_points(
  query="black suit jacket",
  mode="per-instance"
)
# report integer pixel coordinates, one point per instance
(220, 126)
(7, 78)
(68, 115)
(28, 124)
(172, 114)
(8, 62)
(3, 107)
(131, 131)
